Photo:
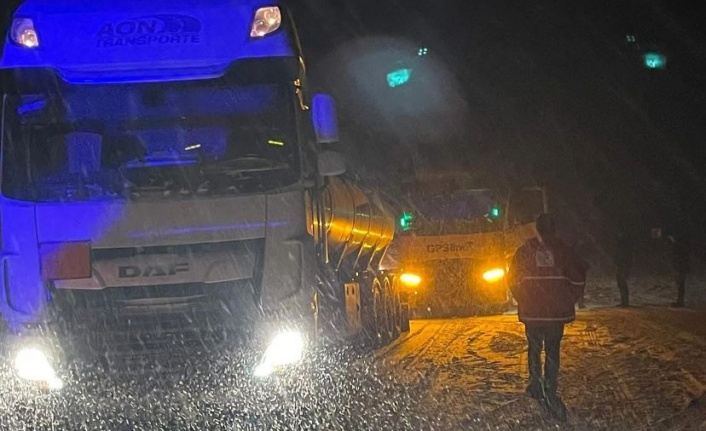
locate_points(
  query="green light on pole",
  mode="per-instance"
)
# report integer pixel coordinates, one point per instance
(398, 77)
(405, 221)
(654, 60)
(423, 51)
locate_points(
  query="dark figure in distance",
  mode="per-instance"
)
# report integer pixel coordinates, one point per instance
(681, 260)
(576, 245)
(547, 278)
(624, 254)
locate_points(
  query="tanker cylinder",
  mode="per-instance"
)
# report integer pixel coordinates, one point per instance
(357, 224)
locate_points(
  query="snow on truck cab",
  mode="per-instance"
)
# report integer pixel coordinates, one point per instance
(164, 170)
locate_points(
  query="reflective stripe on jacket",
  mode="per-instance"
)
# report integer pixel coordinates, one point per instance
(547, 278)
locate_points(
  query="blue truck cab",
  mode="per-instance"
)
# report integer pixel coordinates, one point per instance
(156, 161)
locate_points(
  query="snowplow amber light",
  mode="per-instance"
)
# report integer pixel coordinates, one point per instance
(494, 275)
(411, 280)
(267, 20)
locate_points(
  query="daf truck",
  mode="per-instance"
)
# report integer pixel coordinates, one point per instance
(169, 184)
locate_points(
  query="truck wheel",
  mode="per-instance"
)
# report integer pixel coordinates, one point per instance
(404, 318)
(368, 305)
(396, 310)
(390, 322)
(380, 309)
(397, 322)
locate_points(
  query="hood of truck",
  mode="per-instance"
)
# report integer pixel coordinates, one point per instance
(148, 243)
(140, 224)
(142, 40)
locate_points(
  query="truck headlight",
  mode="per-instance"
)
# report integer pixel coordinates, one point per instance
(286, 348)
(410, 280)
(494, 275)
(32, 364)
(267, 20)
(23, 33)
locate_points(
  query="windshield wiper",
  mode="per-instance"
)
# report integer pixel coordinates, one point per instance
(246, 164)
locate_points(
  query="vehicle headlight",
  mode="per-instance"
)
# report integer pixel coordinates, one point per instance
(286, 348)
(32, 364)
(410, 280)
(494, 275)
(267, 20)
(23, 33)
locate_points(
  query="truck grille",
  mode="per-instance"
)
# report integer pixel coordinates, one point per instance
(253, 246)
(161, 328)
(456, 289)
(167, 329)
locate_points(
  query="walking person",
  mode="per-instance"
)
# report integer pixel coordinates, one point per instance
(624, 254)
(681, 260)
(547, 278)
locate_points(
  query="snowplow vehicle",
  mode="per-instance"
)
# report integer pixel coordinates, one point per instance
(456, 243)
(169, 185)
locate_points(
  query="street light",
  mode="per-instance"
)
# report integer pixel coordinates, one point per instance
(398, 77)
(654, 60)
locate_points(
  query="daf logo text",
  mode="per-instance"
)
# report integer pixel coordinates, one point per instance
(133, 271)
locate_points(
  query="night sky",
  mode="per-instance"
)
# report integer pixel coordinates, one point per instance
(546, 91)
(553, 92)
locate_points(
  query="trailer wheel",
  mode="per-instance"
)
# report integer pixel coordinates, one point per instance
(381, 310)
(396, 309)
(368, 307)
(397, 322)
(404, 317)
(390, 322)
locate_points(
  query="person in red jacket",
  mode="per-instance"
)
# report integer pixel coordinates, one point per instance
(547, 279)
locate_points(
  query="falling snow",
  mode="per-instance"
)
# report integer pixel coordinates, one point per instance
(641, 368)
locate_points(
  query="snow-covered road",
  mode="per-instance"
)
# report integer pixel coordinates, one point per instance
(633, 369)
(642, 368)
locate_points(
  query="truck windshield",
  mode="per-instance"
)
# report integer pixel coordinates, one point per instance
(457, 212)
(69, 142)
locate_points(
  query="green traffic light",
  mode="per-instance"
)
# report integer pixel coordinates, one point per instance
(405, 221)
(494, 212)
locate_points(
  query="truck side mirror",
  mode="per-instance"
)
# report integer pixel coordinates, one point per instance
(331, 163)
(323, 115)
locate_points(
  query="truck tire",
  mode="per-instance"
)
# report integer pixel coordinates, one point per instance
(397, 325)
(381, 313)
(396, 310)
(404, 318)
(368, 301)
(389, 328)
